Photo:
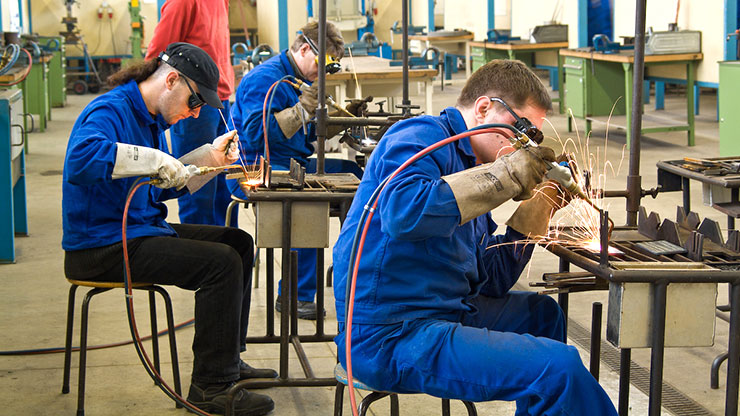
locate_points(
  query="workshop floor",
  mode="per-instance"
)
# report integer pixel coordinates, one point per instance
(33, 294)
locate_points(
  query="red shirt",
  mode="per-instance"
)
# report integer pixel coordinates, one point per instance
(202, 23)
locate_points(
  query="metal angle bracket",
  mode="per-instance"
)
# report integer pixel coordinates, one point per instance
(695, 246)
(690, 221)
(647, 225)
(710, 229)
(669, 231)
(733, 242)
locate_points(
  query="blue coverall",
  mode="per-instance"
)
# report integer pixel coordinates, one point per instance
(208, 205)
(213, 261)
(247, 115)
(433, 310)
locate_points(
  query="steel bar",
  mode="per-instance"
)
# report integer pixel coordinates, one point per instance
(595, 354)
(733, 361)
(264, 339)
(657, 347)
(320, 292)
(634, 185)
(321, 111)
(686, 189)
(284, 284)
(68, 340)
(564, 267)
(361, 122)
(405, 17)
(270, 277)
(625, 358)
(302, 358)
(293, 294)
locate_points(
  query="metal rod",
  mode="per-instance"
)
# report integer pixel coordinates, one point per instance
(686, 190)
(625, 358)
(302, 358)
(293, 298)
(634, 185)
(270, 282)
(356, 121)
(320, 291)
(604, 231)
(657, 346)
(564, 267)
(285, 289)
(405, 16)
(595, 354)
(733, 361)
(274, 339)
(321, 111)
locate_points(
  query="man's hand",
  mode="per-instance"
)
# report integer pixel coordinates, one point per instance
(309, 98)
(172, 174)
(358, 107)
(528, 167)
(225, 148)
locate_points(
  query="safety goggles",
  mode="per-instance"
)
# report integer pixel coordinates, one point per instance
(332, 63)
(522, 123)
(195, 100)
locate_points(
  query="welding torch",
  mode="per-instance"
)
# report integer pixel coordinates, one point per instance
(302, 86)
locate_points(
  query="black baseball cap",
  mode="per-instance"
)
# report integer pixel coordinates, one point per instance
(196, 64)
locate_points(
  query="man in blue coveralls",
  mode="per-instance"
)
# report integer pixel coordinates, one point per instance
(120, 136)
(433, 310)
(289, 134)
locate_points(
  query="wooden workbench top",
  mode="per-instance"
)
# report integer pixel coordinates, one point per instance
(456, 38)
(629, 56)
(518, 46)
(13, 75)
(373, 67)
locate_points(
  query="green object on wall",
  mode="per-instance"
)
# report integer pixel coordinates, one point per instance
(593, 92)
(57, 71)
(36, 93)
(729, 108)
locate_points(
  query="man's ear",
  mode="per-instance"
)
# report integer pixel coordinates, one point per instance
(481, 107)
(170, 79)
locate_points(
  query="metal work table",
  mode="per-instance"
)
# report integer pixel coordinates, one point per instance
(13, 209)
(633, 266)
(590, 85)
(341, 199)
(36, 91)
(512, 50)
(370, 75)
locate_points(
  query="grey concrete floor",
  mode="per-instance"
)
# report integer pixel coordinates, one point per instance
(34, 295)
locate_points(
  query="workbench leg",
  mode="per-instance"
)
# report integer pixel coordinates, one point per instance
(561, 81)
(690, 100)
(429, 90)
(625, 360)
(286, 303)
(564, 267)
(628, 75)
(733, 361)
(686, 188)
(270, 282)
(659, 95)
(468, 63)
(657, 346)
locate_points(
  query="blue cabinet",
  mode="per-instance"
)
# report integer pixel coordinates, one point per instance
(13, 213)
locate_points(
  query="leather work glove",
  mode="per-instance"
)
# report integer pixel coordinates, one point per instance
(225, 148)
(133, 160)
(358, 107)
(532, 217)
(293, 118)
(482, 188)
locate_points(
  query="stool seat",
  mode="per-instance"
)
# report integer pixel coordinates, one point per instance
(107, 285)
(341, 375)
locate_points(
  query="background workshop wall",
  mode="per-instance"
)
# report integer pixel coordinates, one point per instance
(702, 15)
(104, 37)
(14, 16)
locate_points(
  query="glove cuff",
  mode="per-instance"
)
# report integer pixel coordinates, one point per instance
(480, 189)
(532, 217)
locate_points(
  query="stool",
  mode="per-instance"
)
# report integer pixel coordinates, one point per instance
(100, 287)
(341, 375)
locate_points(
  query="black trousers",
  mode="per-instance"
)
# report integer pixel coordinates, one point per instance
(213, 261)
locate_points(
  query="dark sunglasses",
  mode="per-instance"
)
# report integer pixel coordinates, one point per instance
(195, 100)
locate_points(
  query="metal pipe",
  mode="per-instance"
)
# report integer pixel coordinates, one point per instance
(733, 361)
(657, 345)
(321, 111)
(595, 354)
(634, 185)
(269, 275)
(302, 358)
(362, 122)
(284, 284)
(320, 291)
(625, 358)
(405, 16)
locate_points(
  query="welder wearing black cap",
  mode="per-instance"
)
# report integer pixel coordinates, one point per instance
(118, 137)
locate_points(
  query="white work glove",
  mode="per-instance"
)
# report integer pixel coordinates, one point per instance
(482, 188)
(132, 160)
(225, 148)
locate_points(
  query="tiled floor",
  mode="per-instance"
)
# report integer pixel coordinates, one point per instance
(33, 294)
